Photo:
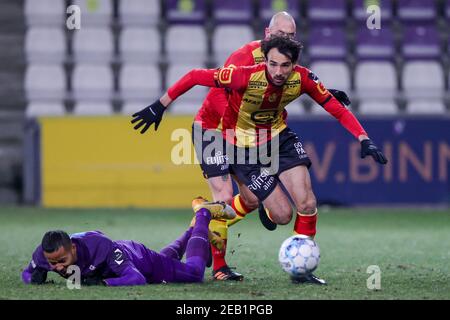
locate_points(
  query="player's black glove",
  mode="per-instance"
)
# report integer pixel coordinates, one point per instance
(369, 148)
(92, 280)
(38, 276)
(149, 115)
(341, 96)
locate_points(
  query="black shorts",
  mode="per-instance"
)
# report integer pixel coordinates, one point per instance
(261, 177)
(210, 149)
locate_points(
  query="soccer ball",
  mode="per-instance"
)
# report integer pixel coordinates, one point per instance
(299, 255)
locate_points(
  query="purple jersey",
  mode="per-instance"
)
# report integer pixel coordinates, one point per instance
(122, 262)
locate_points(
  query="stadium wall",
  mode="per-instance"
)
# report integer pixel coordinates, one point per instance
(102, 162)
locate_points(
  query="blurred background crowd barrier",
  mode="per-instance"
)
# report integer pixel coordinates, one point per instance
(56, 83)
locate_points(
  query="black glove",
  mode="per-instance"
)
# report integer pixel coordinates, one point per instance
(341, 96)
(369, 148)
(38, 276)
(149, 115)
(92, 280)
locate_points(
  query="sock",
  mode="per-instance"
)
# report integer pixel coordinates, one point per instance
(220, 228)
(240, 209)
(306, 224)
(197, 248)
(177, 247)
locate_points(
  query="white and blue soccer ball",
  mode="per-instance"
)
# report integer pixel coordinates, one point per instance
(299, 255)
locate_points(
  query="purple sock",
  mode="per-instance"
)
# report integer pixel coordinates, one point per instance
(177, 248)
(197, 250)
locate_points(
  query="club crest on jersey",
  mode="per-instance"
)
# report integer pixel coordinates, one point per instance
(118, 256)
(225, 75)
(273, 97)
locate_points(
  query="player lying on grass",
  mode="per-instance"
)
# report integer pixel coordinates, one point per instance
(125, 262)
(255, 118)
(214, 164)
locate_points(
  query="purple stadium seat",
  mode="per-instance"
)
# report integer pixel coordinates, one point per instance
(421, 42)
(327, 43)
(327, 10)
(447, 9)
(360, 10)
(417, 10)
(232, 11)
(267, 8)
(375, 44)
(186, 11)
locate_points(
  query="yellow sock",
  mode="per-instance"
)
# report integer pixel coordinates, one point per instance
(219, 228)
(239, 208)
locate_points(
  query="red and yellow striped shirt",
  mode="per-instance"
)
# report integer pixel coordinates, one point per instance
(216, 101)
(255, 111)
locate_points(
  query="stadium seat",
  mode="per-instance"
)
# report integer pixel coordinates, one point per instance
(38, 109)
(185, 11)
(295, 108)
(140, 82)
(267, 8)
(45, 13)
(376, 80)
(447, 9)
(95, 12)
(227, 38)
(326, 11)
(421, 42)
(381, 107)
(185, 107)
(92, 82)
(93, 45)
(416, 10)
(375, 44)
(191, 100)
(334, 75)
(231, 11)
(327, 42)
(139, 12)
(318, 110)
(91, 108)
(131, 107)
(45, 45)
(140, 45)
(424, 107)
(180, 48)
(359, 9)
(423, 79)
(45, 82)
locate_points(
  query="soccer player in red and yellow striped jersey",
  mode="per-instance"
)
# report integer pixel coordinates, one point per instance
(255, 118)
(208, 120)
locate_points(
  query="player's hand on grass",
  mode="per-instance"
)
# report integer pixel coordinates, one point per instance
(149, 115)
(38, 276)
(369, 148)
(92, 281)
(341, 96)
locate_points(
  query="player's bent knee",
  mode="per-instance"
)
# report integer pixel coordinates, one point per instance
(251, 204)
(307, 207)
(282, 216)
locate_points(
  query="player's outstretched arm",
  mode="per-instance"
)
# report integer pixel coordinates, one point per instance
(129, 276)
(153, 113)
(334, 102)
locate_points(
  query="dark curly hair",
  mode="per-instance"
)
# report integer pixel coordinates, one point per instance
(55, 239)
(287, 46)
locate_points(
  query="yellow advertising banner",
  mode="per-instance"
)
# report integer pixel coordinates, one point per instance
(103, 162)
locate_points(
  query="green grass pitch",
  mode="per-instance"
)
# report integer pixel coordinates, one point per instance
(411, 248)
